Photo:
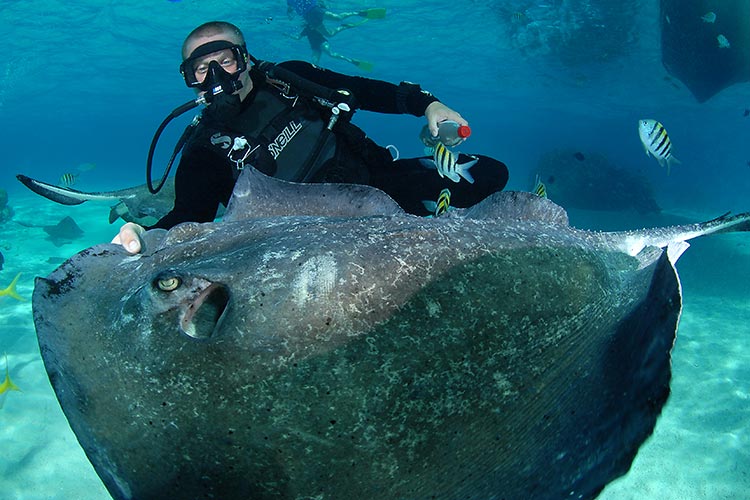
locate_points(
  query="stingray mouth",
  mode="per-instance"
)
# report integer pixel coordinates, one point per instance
(203, 315)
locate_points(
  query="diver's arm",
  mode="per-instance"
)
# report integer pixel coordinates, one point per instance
(380, 96)
(203, 181)
(371, 95)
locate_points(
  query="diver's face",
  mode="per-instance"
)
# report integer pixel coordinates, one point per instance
(225, 58)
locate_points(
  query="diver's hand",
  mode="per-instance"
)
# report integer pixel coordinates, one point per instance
(438, 112)
(130, 237)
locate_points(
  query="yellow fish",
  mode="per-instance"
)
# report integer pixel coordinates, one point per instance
(10, 290)
(7, 384)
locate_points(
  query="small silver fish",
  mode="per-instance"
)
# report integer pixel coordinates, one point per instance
(656, 142)
(447, 164)
(709, 17)
(86, 167)
(68, 179)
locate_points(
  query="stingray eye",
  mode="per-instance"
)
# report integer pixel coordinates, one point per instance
(168, 284)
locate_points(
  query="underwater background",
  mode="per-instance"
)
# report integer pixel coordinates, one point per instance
(84, 85)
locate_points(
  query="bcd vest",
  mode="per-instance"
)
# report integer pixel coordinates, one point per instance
(286, 136)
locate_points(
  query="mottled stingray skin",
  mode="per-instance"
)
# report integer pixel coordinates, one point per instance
(492, 353)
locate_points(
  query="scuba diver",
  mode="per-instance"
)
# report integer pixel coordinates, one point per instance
(313, 13)
(292, 121)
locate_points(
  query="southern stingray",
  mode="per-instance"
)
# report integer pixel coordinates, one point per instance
(135, 204)
(320, 343)
(592, 182)
(706, 44)
(61, 233)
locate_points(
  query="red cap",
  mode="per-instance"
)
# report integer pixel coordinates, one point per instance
(464, 131)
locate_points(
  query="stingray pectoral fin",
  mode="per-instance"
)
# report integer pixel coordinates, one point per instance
(117, 211)
(675, 249)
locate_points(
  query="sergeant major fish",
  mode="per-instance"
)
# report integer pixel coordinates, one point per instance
(656, 142)
(447, 164)
(539, 188)
(443, 202)
(68, 179)
(442, 205)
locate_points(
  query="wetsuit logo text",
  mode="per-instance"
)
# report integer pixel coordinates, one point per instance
(286, 135)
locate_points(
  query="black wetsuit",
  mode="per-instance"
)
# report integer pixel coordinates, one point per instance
(210, 165)
(314, 37)
(314, 29)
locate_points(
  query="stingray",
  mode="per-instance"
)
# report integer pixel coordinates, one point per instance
(321, 343)
(708, 53)
(135, 204)
(61, 233)
(592, 182)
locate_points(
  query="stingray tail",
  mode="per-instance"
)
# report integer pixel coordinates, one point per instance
(64, 196)
(728, 223)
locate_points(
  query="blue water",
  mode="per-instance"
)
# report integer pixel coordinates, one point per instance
(89, 82)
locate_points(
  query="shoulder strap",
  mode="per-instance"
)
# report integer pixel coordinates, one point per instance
(341, 102)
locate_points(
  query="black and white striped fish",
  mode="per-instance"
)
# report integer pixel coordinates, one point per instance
(68, 179)
(446, 163)
(442, 205)
(656, 142)
(539, 188)
(443, 202)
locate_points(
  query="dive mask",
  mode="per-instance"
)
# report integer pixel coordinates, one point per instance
(221, 75)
